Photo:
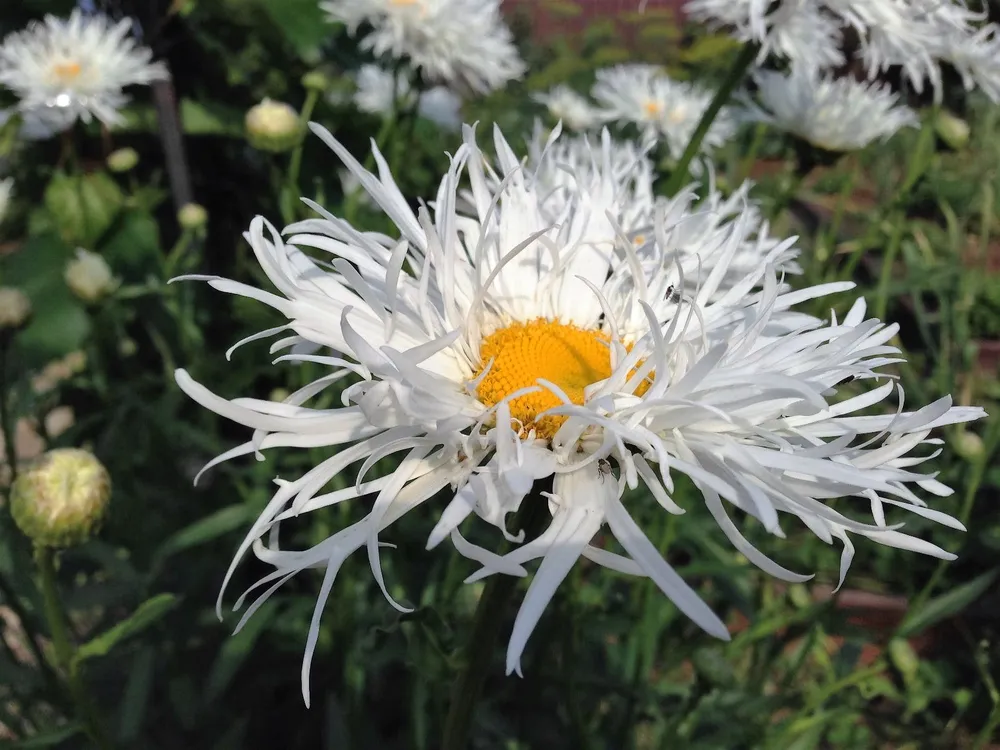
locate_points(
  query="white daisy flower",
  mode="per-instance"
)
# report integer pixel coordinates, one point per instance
(64, 69)
(6, 191)
(377, 95)
(659, 106)
(835, 114)
(575, 111)
(459, 42)
(917, 35)
(493, 349)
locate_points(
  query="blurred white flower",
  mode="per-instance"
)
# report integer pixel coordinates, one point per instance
(34, 126)
(492, 349)
(836, 114)
(89, 277)
(458, 42)
(661, 107)
(575, 111)
(64, 69)
(376, 94)
(6, 191)
(917, 35)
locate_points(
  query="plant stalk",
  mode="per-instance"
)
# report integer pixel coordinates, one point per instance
(479, 648)
(65, 652)
(733, 78)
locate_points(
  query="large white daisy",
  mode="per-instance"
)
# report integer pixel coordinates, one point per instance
(836, 114)
(459, 42)
(662, 108)
(64, 69)
(492, 349)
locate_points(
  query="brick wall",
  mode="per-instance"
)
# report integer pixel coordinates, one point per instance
(547, 24)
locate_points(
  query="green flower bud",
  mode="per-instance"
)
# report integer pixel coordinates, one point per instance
(15, 308)
(315, 80)
(953, 130)
(278, 395)
(62, 500)
(273, 126)
(89, 277)
(6, 191)
(123, 160)
(192, 217)
(969, 445)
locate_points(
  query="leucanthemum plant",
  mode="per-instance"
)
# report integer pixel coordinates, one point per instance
(64, 69)
(462, 43)
(836, 114)
(516, 360)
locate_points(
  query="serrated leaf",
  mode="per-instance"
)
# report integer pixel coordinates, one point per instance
(83, 207)
(946, 605)
(147, 614)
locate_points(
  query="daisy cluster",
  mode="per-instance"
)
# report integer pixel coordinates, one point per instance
(542, 321)
(64, 69)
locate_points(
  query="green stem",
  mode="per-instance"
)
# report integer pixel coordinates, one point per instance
(486, 626)
(7, 427)
(746, 166)
(295, 161)
(733, 78)
(888, 261)
(64, 650)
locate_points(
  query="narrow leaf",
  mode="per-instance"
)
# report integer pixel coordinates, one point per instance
(148, 613)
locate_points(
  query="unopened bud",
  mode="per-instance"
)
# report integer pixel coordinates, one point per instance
(123, 160)
(192, 217)
(273, 126)
(89, 277)
(15, 308)
(315, 80)
(278, 395)
(953, 129)
(969, 445)
(62, 500)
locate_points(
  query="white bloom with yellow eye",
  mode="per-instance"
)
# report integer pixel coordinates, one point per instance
(64, 69)
(574, 110)
(459, 42)
(495, 351)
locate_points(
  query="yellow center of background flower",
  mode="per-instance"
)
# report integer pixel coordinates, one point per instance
(67, 71)
(571, 357)
(652, 108)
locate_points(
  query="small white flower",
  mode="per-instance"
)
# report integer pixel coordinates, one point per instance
(492, 349)
(458, 42)
(6, 191)
(836, 114)
(64, 69)
(89, 277)
(660, 107)
(376, 94)
(575, 111)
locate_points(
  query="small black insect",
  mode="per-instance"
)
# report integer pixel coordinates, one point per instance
(603, 468)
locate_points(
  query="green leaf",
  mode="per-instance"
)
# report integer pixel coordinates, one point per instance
(148, 613)
(83, 207)
(205, 530)
(134, 243)
(46, 739)
(946, 605)
(59, 323)
(137, 691)
(236, 650)
(302, 22)
(198, 118)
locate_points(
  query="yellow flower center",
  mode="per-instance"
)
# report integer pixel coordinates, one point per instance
(66, 72)
(652, 108)
(570, 357)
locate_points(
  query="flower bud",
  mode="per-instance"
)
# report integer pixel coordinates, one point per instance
(278, 395)
(315, 80)
(62, 500)
(192, 217)
(123, 160)
(953, 130)
(15, 308)
(89, 277)
(273, 126)
(969, 445)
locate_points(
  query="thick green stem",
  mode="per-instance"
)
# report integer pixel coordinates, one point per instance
(295, 162)
(486, 627)
(733, 78)
(7, 427)
(65, 651)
